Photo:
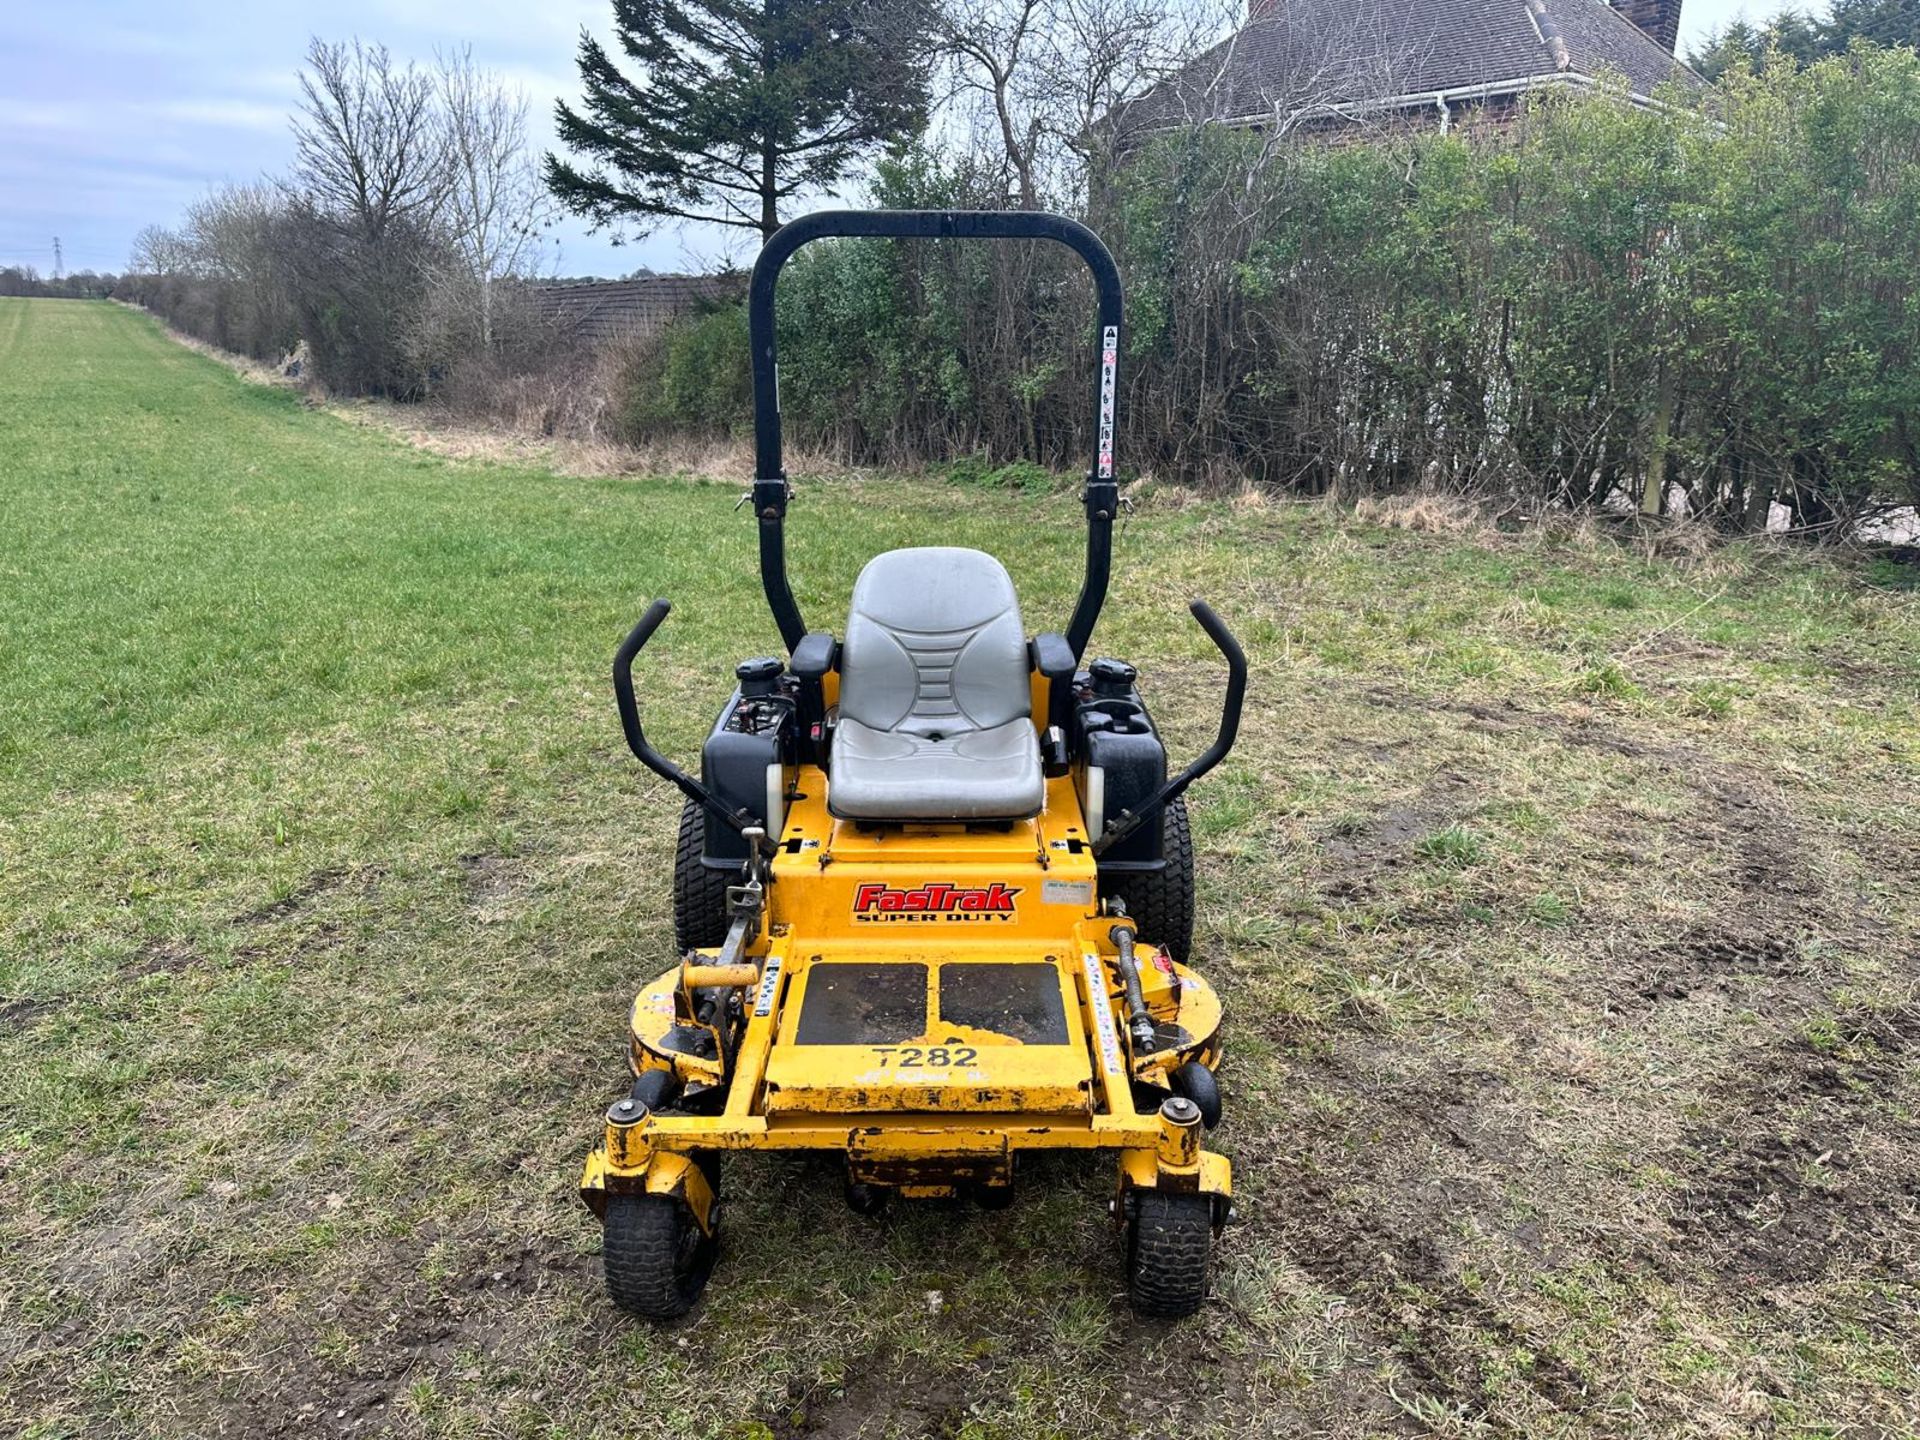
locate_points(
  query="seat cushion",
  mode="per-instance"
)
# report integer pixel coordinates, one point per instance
(991, 774)
(935, 700)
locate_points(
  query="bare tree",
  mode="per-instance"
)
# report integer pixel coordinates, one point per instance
(496, 204)
(368, 189)
(160, 251)
(991, 44)
(234, 234)
(229, 230)
(367, 144)
(1043, 77)
(1108, 53)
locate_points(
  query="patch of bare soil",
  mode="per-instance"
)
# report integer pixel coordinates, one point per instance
(491, 880)
(1719, 962)
(1445, 1342)
(1366, 849)
(1383, 1219)
(155, 957)
(332, 878)
(162, 957)
(407, 1312)
(880, 1397)
(1401, 1197)
(1799, 1170)
(1438, 1154)
(22, 1011)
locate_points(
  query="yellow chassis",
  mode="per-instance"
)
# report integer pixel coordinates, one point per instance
(954, 1104)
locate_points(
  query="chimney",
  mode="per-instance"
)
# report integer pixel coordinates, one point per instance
(1660, 19)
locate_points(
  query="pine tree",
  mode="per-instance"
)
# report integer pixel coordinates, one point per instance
(1804, 39)
(1885, 22)
(733, 106)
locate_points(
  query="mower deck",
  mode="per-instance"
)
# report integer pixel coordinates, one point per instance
(944, 1028)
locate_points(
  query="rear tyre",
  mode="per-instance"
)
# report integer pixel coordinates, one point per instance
(1160, 902)
(699, 894)
(657, 1257)
(1169, 1240)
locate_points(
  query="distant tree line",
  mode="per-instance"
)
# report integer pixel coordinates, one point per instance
(24, 280)
(1712, 302)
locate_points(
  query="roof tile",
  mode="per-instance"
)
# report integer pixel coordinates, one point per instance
(1309, 53)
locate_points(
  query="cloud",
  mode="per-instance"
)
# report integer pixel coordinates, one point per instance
(37, 116)
(121, 117)
(229, 112)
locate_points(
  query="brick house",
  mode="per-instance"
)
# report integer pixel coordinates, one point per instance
(1331, 64)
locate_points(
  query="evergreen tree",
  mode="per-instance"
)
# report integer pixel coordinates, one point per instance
(1791, 32)
(731, 107)
(1803, 39)
(1885, 22)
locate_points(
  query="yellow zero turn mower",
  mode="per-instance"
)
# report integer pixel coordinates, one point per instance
(933, 893)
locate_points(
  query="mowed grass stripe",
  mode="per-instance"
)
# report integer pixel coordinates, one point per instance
(13, 323)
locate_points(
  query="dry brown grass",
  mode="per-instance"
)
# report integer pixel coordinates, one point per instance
(441, 431)
(1428, 514)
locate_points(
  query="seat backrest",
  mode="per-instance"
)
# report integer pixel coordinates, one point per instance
(935, 645)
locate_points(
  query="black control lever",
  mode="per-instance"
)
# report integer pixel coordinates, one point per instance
(1127, 821)
(623, 659)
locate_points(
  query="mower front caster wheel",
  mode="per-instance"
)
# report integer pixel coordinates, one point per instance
(657, 1256)
(1169, 1238)
(868, 1201)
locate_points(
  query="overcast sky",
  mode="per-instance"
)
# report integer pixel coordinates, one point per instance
(115, 115)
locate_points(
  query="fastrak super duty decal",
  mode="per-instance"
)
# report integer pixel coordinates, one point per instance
(935, 902)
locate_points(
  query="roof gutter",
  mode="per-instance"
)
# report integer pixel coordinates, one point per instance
(1487, 90)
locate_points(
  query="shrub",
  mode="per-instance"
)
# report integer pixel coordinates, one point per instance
(691, 379)
(1712, 305)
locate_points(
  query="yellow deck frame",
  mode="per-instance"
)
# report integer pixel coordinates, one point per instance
(952, 1105)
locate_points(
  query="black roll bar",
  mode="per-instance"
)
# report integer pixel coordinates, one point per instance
(1128, 821)
(636, 737)
(770, 488)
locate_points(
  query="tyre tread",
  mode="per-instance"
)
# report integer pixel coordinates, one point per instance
(1160, 902)
(699, 894)
(641, 1252)
(1170, 1243)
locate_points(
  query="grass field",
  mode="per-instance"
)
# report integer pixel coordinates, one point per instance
(1564, 899)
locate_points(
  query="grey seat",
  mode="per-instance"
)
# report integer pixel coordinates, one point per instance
(935, 705)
